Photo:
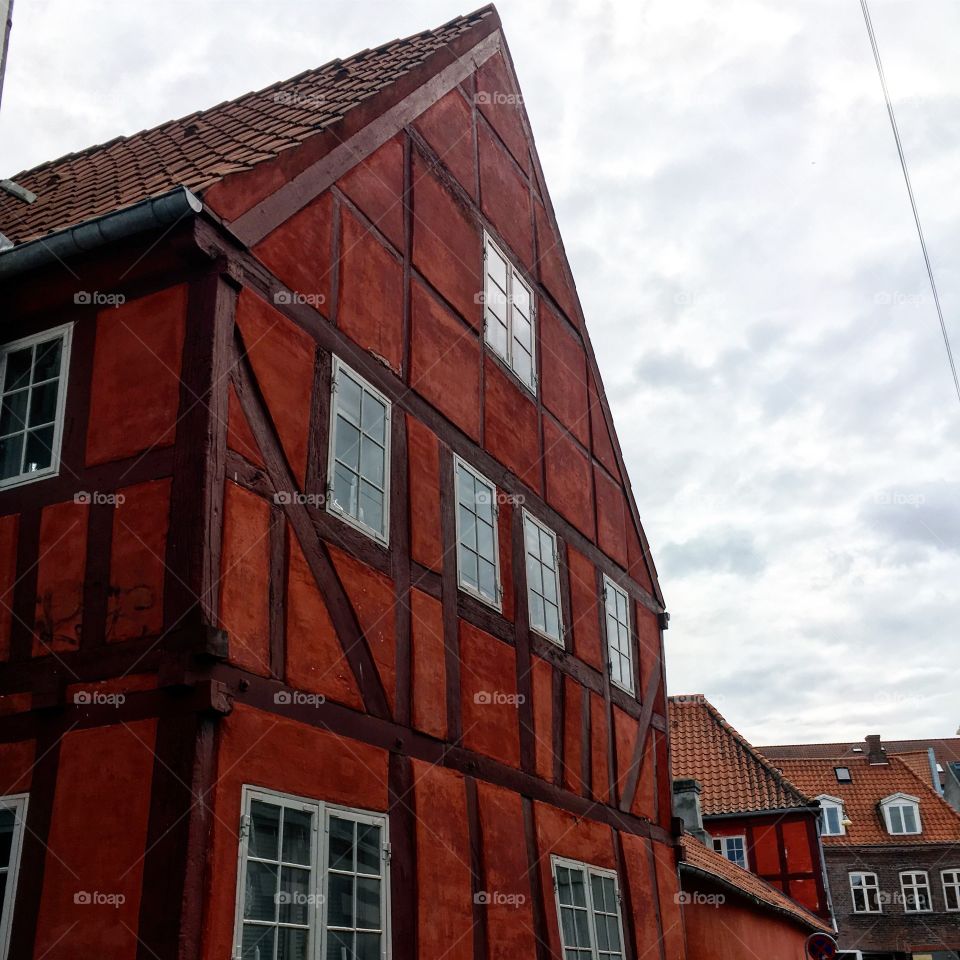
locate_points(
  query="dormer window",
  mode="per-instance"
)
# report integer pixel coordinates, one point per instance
(901, 813)
(508, 314)
(832, 808)
(843, 774)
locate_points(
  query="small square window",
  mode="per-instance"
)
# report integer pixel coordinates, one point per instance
(843, 774)
(33, 386)
(865, 892)
(733, 848)
(915, 886)
(508, 314)
(358, 467)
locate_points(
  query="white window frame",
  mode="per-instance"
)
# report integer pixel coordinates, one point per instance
(513, 276)
(609, 587)
(898, 801)
(497, 601)
(542, 528)
(720, 845)
(66, 332)
(868, 881)
(589, 870)
(953, 886)
(16, 802)
(382, 537)
(915, 886)
(831, 803)
(317, 908)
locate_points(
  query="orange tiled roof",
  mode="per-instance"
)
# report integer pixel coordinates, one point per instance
(699, 857)
(734, 776)
(946, 748)
(870, 784)
(201, 149)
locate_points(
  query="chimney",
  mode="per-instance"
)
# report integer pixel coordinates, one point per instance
(686, 806)
(875, 751)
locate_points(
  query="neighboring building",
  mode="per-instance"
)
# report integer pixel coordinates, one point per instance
(892, 847)
(731, 914)
(942, 764)
(754, 815)
(330, 628)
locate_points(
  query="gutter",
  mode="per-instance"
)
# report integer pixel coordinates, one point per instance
(156, 212)
(740, 814)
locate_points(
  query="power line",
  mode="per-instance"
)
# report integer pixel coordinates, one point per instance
(913, 202)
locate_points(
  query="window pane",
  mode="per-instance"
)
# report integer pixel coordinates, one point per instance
(485, 540)
(260, 891)
(294, 894)
(909, 819)
(582, 921)
(339, 945)
(532, 538)
(465, 491)
(264, 830)
(345, 489)
(292, 944)
(43, 404)
(496, 267)
(534, 575)
(340, 906)
(371, 461)
(522, 332)
(46, 365)
(523, 365)
(596, 886)
(521, 297)
(371, 506)
(896, 821)
(7, 821)
(347, 447)
(552, 615)
(538, 618)
(39, 452)
(568, 928)
(468, 532)
(297, 828)
(368, 903)
(487, 579)
(368, 848)
(257, 943)
(11, 451)
(341, 844)
(368, 946)
(468, 568)
(549, 584)
(497, 334)
(18, 369)
(13, 416)
(483, 502)
(348, 397)
(374, 418)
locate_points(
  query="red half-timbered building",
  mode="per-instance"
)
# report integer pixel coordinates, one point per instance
(329, 627)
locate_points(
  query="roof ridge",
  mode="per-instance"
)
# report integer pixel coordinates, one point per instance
(466, 19)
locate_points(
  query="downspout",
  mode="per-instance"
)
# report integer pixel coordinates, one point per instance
(156, 212)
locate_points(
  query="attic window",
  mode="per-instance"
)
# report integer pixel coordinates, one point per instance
(832, 808)
(843, 774)
(508, 314)
(901, 813)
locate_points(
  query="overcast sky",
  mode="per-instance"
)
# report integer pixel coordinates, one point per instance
(730, 197)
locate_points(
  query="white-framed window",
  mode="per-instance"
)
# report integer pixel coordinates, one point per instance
(358, 468)
(543, 579)
(33, 384)
(915, 886)
(588, 910)
(13, 815)
(313, 880)
(832, 808)
(865, 892)
(616, 606)
(478, 553)
(508, 314)
(733, 848)
(901, 812)
(951, 889)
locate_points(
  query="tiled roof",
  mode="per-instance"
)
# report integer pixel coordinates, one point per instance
(699, 857)
(199, 150)
(735, 778)
(945, 748)
(871, 783)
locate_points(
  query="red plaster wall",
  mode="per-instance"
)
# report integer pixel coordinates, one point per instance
(135, 388)
(98, 833)
(550, 265)
(429, 667)
(488, 682)
(573, 745)
(423, 452)
(372, 596)
(444, 889)
(447, 246)
(668, 888)
(445, 362)
(16, 764)
(599, 755)
(9, 529)
(602, 444)
(611, 517)
(282, 357)
(137, 567)
(375, 185)
(500, 104)
(648, 634)
(797, 846)
(283, 250)
(60, 573)
(245, 578)
(625, 736)
(506, 197)
(448, 128)
(639, 873)
(510, 424)
(314, 657)
(564, 373)
(542, 684)
(568, 478)
(584, 609)
(370, 307)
